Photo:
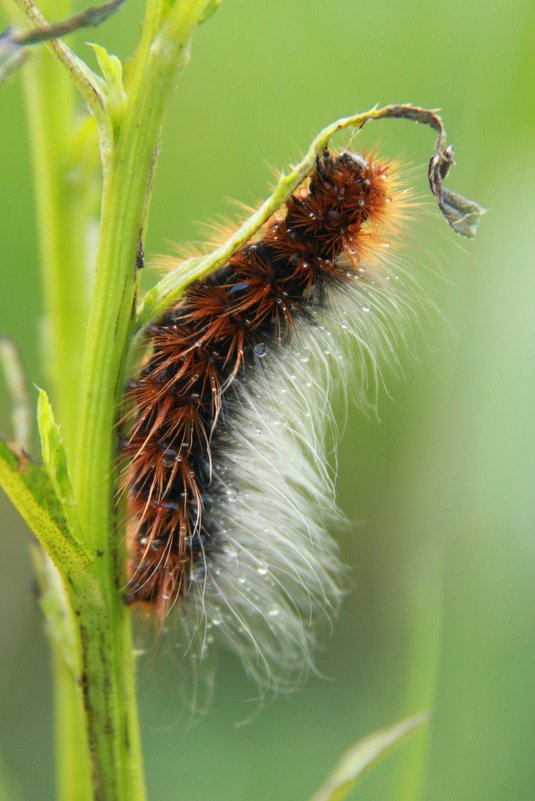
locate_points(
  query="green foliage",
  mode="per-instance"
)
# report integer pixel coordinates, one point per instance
(45, 495)
(32, 490)
(364, 756)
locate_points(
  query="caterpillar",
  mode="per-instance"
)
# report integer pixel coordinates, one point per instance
(229, 494)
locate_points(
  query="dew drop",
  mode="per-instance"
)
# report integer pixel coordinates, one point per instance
(260, 350)
(262, 569)
(232, 492)
(198, 573)
(365, 308)
(275, 612)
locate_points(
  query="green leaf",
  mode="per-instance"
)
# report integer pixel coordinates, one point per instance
(211, 8)
(32, 492)
(114, 93)
(55, 460)
(364, 756)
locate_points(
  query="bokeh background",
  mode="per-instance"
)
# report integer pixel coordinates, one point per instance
(439, 491)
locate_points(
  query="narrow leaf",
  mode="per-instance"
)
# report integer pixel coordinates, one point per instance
(364, 756)
(211, 8)
(55, 460)
(30, 489)
(112, 72)
(17, 385)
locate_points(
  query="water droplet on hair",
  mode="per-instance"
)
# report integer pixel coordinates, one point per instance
(216, 621)
(260, 350)
(275, 612)
(365, 308)
(344, 325)
(262, 569)
(232, 492)
(198, 573)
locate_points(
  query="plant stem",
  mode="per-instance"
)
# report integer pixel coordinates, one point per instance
(62, 216)
(62, 206)
(72, 756)
(423, 651)
(108, 680)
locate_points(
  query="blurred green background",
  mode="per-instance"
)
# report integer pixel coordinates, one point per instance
(439, 492)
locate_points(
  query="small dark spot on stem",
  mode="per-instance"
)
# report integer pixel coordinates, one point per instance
(140, 260)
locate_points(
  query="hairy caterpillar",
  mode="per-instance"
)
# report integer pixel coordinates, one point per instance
(229, 493)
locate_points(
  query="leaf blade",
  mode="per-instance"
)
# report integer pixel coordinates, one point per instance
(32, 492)
(364, 756)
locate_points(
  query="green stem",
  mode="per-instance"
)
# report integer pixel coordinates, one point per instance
(63, 209)
(461, 214)
(62, 214)
(423, 652)
(106, 639)
(72, 756)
